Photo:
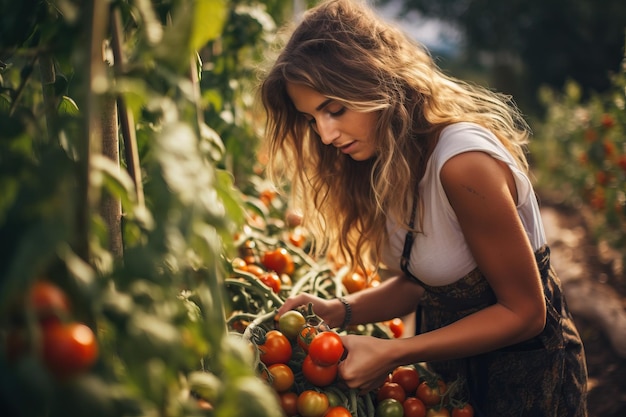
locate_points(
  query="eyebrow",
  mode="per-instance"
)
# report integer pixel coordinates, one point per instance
(324, 104)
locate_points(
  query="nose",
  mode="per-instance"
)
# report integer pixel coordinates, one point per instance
(327, 129)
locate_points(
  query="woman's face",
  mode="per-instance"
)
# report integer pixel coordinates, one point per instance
(350, 131)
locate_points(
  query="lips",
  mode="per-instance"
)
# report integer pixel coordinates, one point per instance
(346, 148)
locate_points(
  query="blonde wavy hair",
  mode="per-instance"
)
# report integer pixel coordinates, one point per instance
(341, 49)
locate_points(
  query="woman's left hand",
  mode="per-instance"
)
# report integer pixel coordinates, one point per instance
(367, 363)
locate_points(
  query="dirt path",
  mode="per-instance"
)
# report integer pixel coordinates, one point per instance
(576, 258)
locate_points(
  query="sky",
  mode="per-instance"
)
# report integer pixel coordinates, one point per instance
(433, 33)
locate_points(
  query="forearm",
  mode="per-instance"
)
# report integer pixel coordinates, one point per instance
(489, 329)
(394, 297)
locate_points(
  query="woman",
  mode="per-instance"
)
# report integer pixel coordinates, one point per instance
(396, 164)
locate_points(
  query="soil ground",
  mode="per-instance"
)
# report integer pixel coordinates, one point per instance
(578, 254)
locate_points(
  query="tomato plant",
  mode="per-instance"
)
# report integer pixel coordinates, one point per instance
(389, 408)
(338, 411)
(318, 375)
(391, 390)
(278, 260)
(282, 377)
(407, 377)
(272, 280)
(291, 323)
(312, 403)
(276, 349)
(68, 348)
(288, 402)
(306, 336)
(414, 407)
(465, 410)
(326, 348)
(431, 393)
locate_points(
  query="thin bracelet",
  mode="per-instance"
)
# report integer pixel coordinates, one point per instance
(348, 316)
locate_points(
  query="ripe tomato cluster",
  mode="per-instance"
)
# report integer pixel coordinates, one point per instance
(407, 393)
(301, 359)
(67, 347)
(273, 267)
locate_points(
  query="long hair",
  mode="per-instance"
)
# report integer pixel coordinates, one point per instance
(344, 51)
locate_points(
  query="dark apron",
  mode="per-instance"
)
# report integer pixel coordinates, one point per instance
(545, 376)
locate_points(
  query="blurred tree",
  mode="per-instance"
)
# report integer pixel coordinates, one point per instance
(546, 41)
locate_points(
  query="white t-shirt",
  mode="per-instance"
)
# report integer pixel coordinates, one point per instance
(440, 255)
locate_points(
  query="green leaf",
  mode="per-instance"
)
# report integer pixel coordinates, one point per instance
(68, 107)
(116, 181)
(209, 17)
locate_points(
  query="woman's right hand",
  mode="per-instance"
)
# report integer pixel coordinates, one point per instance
(331, 311)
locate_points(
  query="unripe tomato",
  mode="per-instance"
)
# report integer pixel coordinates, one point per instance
(389, 408)
(291, 323)
(282, 377)
(312, 403)
(68, 348)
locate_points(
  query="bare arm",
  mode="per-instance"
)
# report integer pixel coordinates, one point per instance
(482, 194)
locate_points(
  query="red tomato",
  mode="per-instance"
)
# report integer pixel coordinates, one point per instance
(288, 401)
(466, 410)
(414, 407)
(326, 348)
(437, 412)
(312, 403)
(391, 390)
(281, 376)
(318, 375)
(338, 411)
(407, 377)
(68, 348)
(276, 348)
(306, 336)
(272, 280)
(278, 260)
(48, 300)
(397, 327)
(429, 394)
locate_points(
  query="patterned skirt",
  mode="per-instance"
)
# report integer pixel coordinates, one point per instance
(543, 377)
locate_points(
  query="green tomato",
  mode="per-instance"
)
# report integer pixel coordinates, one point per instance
(291, 323)
(389, 408)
